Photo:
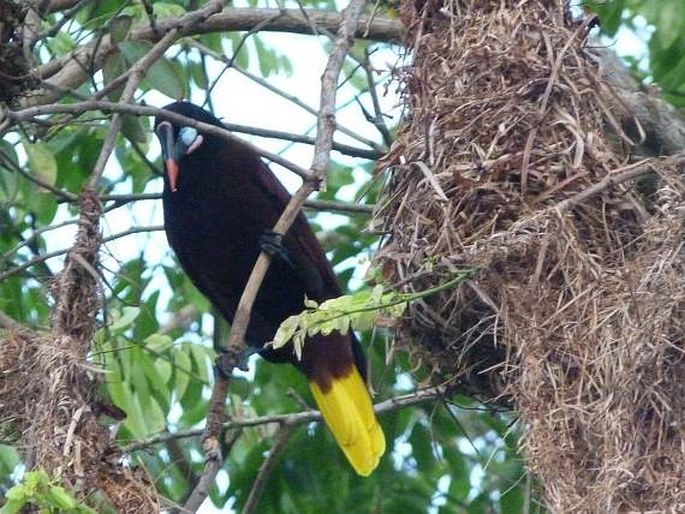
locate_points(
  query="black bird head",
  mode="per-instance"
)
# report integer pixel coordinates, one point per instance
(179, 141)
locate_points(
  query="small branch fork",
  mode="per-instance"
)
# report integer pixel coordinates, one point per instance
(296, 418)
(68, 72)
(314, 180)
(31, 113)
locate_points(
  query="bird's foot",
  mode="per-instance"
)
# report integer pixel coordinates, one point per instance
(228, 360)
(224, 365)
(272, 243)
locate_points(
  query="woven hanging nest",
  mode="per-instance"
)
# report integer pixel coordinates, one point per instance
(48, 389)
(512, 162)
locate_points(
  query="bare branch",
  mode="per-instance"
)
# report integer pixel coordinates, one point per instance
(295, 418)
(265, 470)
(68, 73)
(30, 113)
(181, 319)
(8, 323)
(317, 205)
(344, 149)
(329, 88)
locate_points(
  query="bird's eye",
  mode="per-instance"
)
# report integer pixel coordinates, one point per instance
(188, 135)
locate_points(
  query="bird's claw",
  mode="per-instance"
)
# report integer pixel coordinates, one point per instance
(271, 242)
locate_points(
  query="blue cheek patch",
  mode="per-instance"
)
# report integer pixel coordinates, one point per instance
(188, 135)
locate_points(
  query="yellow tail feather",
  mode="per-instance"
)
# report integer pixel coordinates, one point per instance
(347, 409)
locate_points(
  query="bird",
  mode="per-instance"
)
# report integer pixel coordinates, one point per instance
(221, 202)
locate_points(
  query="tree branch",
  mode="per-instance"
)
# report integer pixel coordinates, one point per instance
(8, 323)
(29, 113)
(265, 469)
(295, 418)
(316, 205)
(68, 72)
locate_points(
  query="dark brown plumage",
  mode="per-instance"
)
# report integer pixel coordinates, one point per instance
(220, 200)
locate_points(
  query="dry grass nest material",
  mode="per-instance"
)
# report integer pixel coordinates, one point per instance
(512, 163)
(48, 388)
(15, 78)
(47, 395)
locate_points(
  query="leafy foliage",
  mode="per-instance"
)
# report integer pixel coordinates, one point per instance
(664, 34)
(36, 489)
(360, 311)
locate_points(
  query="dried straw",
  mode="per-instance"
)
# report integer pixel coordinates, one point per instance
(510, 162)
(48, 387)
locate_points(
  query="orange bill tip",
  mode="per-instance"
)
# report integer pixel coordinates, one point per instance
(172, 172)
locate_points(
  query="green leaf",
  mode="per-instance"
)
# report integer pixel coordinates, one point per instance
(610, 14)
(42, 162)
(42, 204)
(161, 76)
(132, 127)
(9, 184)
(61, 498)
(182, 369)
(124, 320)
(154, 418)
(120, 27)
(164, 370)
(197, 73)
(158, 343)
(113, 67)
(12, 505)
(200, 355)
(136, 416)
(62, 43)
(168, 10)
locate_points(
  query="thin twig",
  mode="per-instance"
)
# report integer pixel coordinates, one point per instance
(291, 98)
(229, 64)
(66, 17)
(318, 205)
(293, 419)
(30, 113)
(377, 118)
(265, 469)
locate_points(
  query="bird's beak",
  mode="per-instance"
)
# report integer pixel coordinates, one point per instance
(165, 133)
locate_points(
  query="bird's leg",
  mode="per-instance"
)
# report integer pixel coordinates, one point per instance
(272, 243)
